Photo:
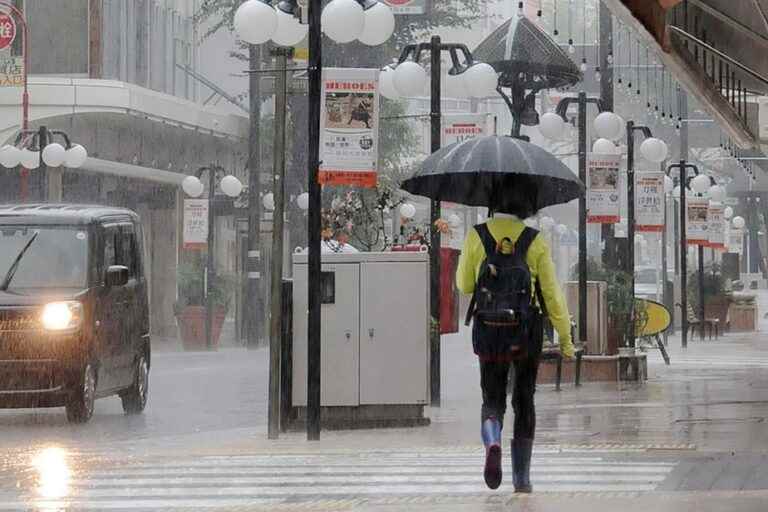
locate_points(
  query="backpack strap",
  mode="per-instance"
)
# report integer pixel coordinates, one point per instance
(489, 243)
(522, 245)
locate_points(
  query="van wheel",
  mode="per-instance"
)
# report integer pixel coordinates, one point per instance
(135, 398)
(80, 404)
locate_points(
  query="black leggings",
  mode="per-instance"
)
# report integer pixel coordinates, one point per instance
(493, 382)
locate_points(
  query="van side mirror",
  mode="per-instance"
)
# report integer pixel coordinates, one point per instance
(117, 275)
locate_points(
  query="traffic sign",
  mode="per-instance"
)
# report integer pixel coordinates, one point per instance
(7, 30)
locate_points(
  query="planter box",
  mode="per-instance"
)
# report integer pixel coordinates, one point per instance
(191, 322)
(743, 317)
(718, 307)
(596, 369)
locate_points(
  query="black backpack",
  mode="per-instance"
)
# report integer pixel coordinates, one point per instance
(506, 318)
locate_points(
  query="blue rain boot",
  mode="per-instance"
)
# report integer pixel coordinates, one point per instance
(491, 432)
(521, 464)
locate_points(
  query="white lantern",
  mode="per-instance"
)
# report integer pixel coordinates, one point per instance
(481, 80)
(379, 24)
(654, 150)
(302, 201)
(10, 156)
(386, 83)
(231, 186)
(268, 201)
(700, 184)
(604, 147)
(728, 212)
(407, 211)
(668, 184)
(609, 126)
(551, 126)
(290, 31)
(76, 156)
(54, 154)
(29, 159)
(716, 193)
(409, 79)
(255, 22)
(561, 229)
(738, 222)
(455, 221)
(343, 20)
(192, 186)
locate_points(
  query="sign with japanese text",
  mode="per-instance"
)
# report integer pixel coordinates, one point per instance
(696, 222)
(349, 129)
(716, 219)
(649, 201)
(7, 30)
(407, 6)
(603, 194)
(11, 71)
(736, 240)
(461, 127)
(195, 234)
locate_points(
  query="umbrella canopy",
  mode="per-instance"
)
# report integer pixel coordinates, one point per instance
(503, 173)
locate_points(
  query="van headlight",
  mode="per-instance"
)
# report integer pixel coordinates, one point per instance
(62, 316)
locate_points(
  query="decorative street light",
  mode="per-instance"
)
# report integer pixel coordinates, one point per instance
(256, 22)
(193, 187)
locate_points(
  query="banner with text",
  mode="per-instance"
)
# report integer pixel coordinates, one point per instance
(697, 224)
(603, 192)
(349, 129)
(716, 218)
(195, 233)
(407, 6)
(649, 201)
(461, 127)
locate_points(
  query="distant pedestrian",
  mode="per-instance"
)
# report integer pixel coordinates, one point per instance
(499, 260)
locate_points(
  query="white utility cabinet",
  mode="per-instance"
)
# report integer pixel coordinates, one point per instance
(375, 339)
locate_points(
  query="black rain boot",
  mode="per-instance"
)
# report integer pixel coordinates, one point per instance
(521, 464)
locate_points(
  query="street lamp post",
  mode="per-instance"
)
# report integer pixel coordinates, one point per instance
(232, 187)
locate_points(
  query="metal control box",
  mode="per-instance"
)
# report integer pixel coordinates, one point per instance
(375, 339)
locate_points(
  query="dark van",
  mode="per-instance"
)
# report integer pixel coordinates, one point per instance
(74, 317)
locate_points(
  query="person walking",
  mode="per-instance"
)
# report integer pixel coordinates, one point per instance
(508, 269)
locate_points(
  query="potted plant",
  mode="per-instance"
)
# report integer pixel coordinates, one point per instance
(190, 308)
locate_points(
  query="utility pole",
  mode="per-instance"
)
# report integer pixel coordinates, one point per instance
(254, 298)
(606, 96)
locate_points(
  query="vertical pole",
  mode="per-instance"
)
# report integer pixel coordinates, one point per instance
(211, 270)
(314, 223)
(664, 291)
(606, 97)
(276, 299)
(683, 255)
(254, 303)
(42, 141)
(434, 214)
(583, 219)
(701, 289)
(630, 336)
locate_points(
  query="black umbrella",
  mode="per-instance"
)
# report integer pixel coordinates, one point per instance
(503, 173)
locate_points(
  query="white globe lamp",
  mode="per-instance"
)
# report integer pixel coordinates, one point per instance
(608, 126)
(551, 126)
(654, 150)
(728, 212)
(302, 201)
(604, 147)
(481, 80)
(379, 24)
(231, 186)
(29, 159)
(255, 22)
(10, 156)
(192, 186)
(409, 79)
(76, 156)
(268, 201)
(387, 84)
(54, 154)
(738, 222)
(700, 184)
(343, 20)
(290, 31)
(407, 211)
(668, 184)
(716, 193)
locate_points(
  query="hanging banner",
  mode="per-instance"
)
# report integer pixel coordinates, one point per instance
(407, 6)
(716, 219)
(649, 201)
(195, 233)
(697, 225)
(603, 193)
(736, 241)
(349, 136)
(461, 127)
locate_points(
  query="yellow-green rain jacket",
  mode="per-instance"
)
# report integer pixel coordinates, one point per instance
(540, 263)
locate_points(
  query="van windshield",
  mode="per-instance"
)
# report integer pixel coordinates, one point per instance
(56, 258)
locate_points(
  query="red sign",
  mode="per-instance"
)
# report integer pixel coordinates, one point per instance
(7, 31)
